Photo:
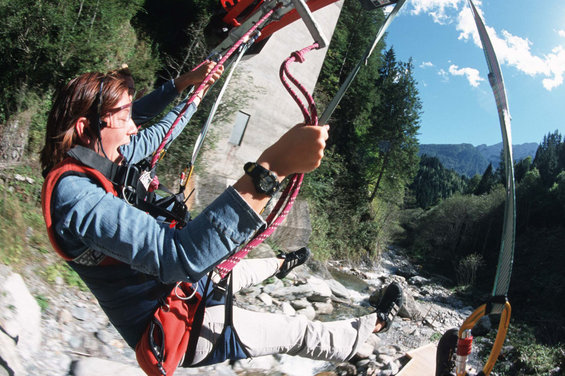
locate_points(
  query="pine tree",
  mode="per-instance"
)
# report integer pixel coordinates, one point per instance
(547, 159)
(488, 180)
(390, 136)
(434, 182)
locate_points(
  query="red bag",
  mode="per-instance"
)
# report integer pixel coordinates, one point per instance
(164, 343)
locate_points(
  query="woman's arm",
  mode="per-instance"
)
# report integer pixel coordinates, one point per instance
(150, 105)
(299, 150)
(85, 216)
(146, 141)
(154, 103)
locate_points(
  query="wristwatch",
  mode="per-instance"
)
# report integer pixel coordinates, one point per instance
(264, 180)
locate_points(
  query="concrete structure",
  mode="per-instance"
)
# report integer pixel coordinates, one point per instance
(265, 111)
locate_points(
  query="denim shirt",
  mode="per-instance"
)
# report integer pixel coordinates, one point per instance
(86, 216)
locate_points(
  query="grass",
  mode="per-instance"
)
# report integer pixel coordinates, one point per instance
(61, 270)
(42, 301)
(523, 354)
(24, 244)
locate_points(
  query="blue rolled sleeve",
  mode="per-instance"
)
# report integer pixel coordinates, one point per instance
(85, 216)
(150, 105)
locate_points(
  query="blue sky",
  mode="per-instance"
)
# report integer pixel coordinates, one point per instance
(449, 65)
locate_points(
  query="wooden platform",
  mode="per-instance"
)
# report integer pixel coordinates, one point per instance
(422, 362)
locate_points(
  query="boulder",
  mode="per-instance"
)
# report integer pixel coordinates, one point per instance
(338, 289)
(10, 362)
(21, 319)
(308, 312)
(287, 309)
(97, 366)
(410, 308)
(265, 298)
(300, 303)
(321, 291)
(293, 292)
(323, 308)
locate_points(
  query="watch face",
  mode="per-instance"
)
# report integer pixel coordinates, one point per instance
(264, 180)
(267, 183)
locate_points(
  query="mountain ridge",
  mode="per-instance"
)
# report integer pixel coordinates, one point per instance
(469, 160)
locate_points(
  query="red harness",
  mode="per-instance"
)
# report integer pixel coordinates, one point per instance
(70, 165)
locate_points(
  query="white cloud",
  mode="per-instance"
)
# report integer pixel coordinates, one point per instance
(471, 74)
(511, 50)
(426, 64)
(439, 9)
(556, 62)
(516, 51)
(443, 74)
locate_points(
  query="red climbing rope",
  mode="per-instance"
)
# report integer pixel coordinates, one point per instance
(289, 194)
(310, 113)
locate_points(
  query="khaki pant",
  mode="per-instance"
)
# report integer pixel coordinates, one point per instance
(267, 333)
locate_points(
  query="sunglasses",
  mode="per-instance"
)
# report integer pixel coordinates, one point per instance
(112, 111)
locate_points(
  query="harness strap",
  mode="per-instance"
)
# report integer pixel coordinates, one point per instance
(228, 345)
(66, 167)
(195, 333)
(112, 171)
(131, 183)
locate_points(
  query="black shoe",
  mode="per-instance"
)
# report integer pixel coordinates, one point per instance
(292, 260)
(389, 305)
(445, 354)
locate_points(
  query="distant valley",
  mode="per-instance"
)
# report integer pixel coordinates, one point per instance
(469, 160)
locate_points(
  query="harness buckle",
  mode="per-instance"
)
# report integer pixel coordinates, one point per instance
(220, 289)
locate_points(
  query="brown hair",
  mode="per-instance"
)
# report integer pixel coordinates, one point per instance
(79, 98)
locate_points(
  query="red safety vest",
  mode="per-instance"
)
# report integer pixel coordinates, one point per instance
(69, 165)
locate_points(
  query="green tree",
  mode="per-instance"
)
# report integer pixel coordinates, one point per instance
(558, 189)
(488, 181)
(521, 168)
(353, 34)
(547, 158)
(389, 138)
(472, 184)
(434, 182)
(44, 43)
(347, 198)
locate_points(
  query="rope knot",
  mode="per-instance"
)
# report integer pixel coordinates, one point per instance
(299, 56)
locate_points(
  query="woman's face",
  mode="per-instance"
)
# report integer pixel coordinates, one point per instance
(120, 127)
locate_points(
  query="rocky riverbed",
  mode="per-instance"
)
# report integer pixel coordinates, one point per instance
(70, 335)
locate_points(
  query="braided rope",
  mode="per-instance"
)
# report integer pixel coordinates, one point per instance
(276, 217)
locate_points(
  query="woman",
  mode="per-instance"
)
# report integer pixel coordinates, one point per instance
(137, 266)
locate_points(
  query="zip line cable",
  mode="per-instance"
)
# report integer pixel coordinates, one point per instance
(363, 61)
(498, 301)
